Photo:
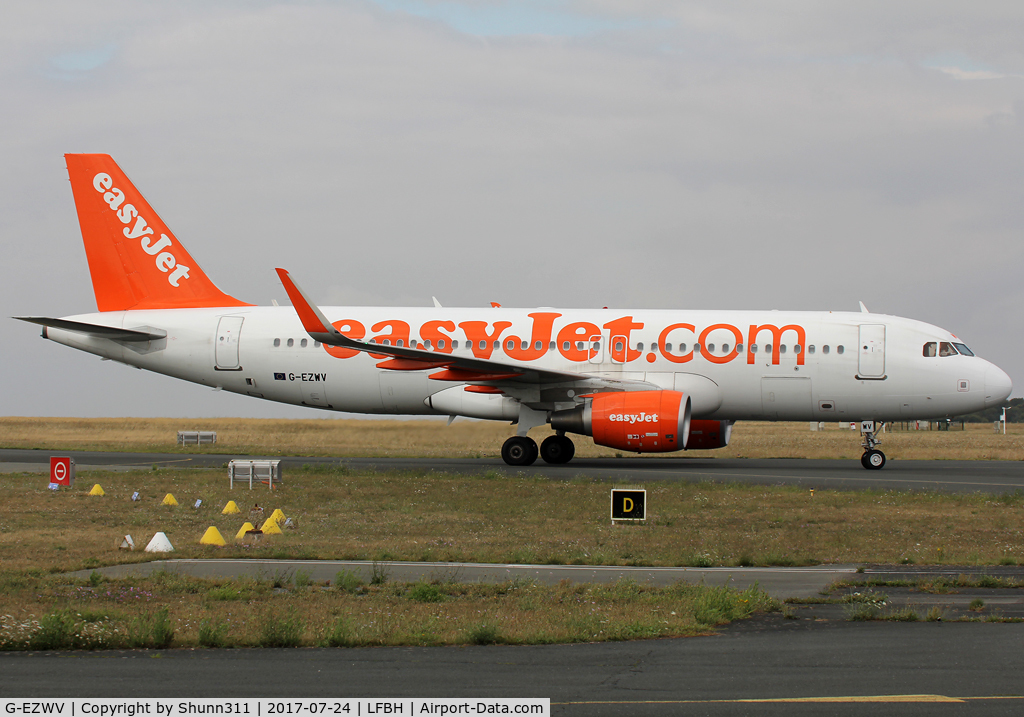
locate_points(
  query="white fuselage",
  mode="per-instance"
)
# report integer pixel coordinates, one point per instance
(813, 366)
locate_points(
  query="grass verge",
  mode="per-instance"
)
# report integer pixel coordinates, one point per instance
(169, 610)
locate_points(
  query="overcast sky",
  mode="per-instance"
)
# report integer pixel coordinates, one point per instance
(640, 153)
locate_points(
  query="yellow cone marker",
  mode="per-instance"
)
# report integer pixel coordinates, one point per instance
(271, 527)
(277, 516)
(230, 509)
(169, 500)
(96, 490)
(246, 527)
(212, 536)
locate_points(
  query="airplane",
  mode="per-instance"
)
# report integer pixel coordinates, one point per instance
(643, 381)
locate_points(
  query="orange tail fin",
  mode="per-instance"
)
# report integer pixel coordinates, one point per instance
(135, 260)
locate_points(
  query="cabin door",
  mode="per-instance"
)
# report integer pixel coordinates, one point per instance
(871, 351)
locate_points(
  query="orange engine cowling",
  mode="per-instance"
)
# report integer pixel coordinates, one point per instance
(708, 434)
(637, 421)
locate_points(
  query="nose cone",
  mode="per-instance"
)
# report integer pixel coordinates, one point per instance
(998, 386)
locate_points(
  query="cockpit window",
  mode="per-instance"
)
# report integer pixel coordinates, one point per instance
(962, 348)
(946, 349)
(929, 349)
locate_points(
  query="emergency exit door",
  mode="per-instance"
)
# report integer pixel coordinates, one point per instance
(226, 351)
(871, 351)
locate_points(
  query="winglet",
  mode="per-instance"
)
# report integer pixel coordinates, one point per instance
(863, 309)
(313, 320)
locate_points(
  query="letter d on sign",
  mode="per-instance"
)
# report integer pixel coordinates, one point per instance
(629, 504)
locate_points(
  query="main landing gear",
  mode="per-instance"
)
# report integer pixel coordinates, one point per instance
(873, 459)
(519, 451)
(557, 449)
(522, 450)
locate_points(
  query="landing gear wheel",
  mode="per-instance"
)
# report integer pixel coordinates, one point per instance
(873, 460)
(557, 449)
(519, 451)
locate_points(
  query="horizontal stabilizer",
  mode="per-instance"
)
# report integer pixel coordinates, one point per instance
(103, 332)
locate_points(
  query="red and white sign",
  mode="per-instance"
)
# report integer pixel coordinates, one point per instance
(62, 470)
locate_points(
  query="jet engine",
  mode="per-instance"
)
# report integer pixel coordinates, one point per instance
(636, 421)
(708, 434)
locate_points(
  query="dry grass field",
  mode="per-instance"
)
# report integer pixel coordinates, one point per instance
(468, 438)
(339, 514)
(430, 516)
(491, 518)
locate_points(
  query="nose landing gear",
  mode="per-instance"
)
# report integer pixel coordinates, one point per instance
(873, 459)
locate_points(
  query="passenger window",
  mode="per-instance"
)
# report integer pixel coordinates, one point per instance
(440, 343)
(753, 348)
(810, 349)
(725, 348)
(426, 345)
(579, 345)
(839, 350)
(711, 348)
(682, 348)
(497, 345)
(696, 348)
(668, 348)
(640, 346)
(455, 344)
(551, 346)
(597, 346)
(824, 349)
(510, 345)
(797, 348)
(413, 344)
(618, 346)
(767, 348)
(654, 347)
(946, 349)
(400, 343)
(277, 342)
(739, 348)
(303, 343)
(782, 348)
(523, 345)
(537, 346)
(316, 344)
(291, 342)
(565, 346)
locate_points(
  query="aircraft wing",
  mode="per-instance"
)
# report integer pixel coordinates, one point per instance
(465, 369)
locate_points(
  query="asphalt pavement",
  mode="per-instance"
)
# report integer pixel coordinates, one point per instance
(764, 666)
(779, 582)
(949, 476)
